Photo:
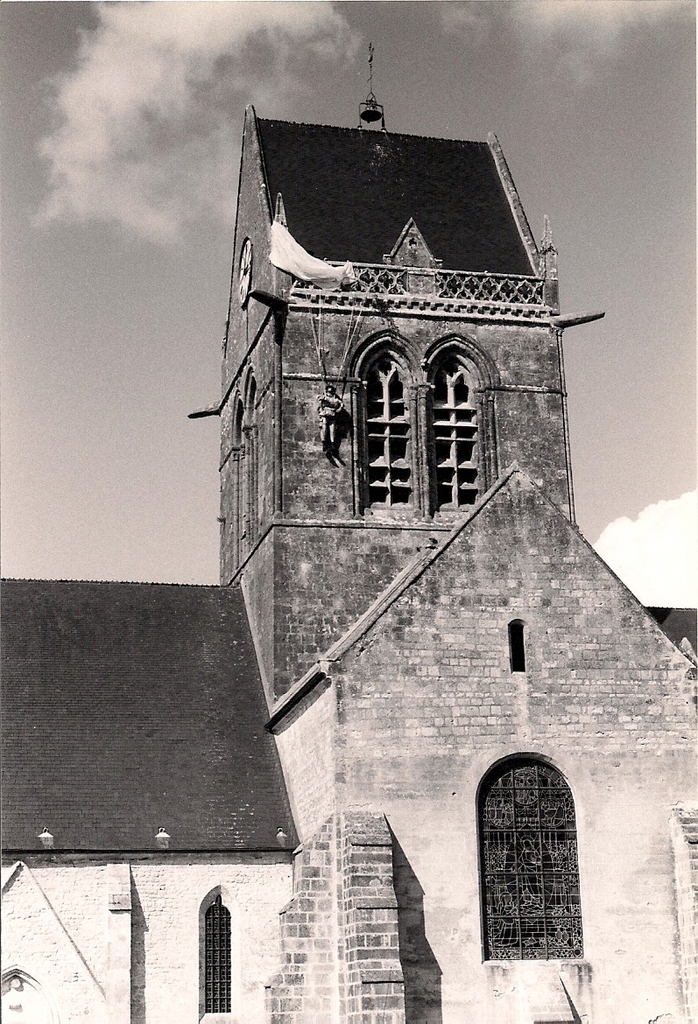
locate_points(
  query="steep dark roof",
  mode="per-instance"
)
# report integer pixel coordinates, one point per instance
(127, 707)
(677, 623)
(348, 194)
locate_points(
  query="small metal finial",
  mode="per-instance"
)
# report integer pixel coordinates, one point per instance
(162, 838)
(46, 838)
(371, 110)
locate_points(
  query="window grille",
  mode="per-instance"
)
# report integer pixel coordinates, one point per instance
(218, 958)
(455, 437)
(529, 872)
(388, 437)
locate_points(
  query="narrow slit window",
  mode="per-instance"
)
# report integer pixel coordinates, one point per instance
(218, 958)
(517, 646)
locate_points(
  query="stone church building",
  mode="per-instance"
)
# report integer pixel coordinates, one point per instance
(421, 758)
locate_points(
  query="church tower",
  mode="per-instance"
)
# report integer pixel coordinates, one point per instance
(468, 706)
(444, 363)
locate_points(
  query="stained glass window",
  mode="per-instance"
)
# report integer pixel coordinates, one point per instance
(530, 877)
(218, 958)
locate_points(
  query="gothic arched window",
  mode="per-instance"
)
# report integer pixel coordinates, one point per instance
(528, 861)
(388, 435)
(217, 958)
(454, 430)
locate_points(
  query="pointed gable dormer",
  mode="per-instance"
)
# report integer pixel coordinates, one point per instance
(411, 250)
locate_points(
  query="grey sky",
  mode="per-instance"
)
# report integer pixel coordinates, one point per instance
(119, 183)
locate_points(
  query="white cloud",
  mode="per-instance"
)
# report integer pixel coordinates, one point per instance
(656, 555)
(470, 20)
(144, 135)
(600, 20)
(574, 34)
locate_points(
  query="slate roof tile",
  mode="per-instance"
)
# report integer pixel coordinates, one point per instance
(677, 623)
(127, 707)
(348, 193)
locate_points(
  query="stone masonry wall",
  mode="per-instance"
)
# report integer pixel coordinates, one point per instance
(56, 932)
(427, 702)
(374, 982)
(518, 363)
(306, 744)
(684, 834)
(65, 939)
(339, 933)
(305, 990)
(326, 571)
(325, 578)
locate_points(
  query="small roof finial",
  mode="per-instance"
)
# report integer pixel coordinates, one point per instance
(371, 110)
(46, 838)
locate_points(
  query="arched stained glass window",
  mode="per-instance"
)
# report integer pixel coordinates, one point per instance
(529, 873)
(388, 439)
(455, 435)
(217, 958)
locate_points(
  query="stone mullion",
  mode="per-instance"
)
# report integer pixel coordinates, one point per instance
(487, 438)
(356, 405)
(235, 458)
(425, 503)
(416, 447)
(251, 459)
(246, 502)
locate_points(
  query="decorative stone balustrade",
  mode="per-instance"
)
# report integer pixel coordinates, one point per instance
(379, 279)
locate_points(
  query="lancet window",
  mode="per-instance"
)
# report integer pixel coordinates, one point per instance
(239, 505)
(218, 960)
(455, 430)
(250, 434)
(529, 872)
(388, 435)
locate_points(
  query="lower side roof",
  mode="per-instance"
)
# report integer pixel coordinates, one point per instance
(130, 707)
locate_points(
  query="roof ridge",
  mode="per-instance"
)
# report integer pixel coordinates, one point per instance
(364, 131)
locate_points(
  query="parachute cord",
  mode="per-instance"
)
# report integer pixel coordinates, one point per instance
(318, 337)
(355, 319)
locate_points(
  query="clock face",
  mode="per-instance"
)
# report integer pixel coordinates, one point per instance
(245, 272)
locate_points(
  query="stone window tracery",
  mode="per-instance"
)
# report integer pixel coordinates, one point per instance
(529, 871)
(388, 435)
(455, 429)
